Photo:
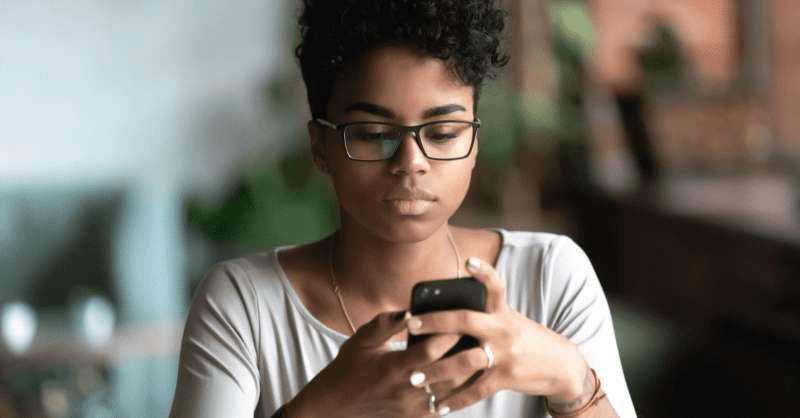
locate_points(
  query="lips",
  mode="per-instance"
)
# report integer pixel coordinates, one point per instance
(410, 202)
(411, 194)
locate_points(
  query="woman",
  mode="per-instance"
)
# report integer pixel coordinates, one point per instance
(319, 330)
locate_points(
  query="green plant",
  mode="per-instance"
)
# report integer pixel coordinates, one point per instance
(279, 198)
(276, 202)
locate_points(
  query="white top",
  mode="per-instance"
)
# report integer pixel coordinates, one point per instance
(250, 344)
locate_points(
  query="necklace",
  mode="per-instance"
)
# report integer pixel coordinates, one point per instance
(338, 290)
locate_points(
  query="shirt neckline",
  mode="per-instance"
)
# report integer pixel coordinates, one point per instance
(319, 325)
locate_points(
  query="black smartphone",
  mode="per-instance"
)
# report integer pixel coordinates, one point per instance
(448, 294)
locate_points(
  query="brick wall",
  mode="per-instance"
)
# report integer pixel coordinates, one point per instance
(710, 133)
(706, 28)
(718, 124)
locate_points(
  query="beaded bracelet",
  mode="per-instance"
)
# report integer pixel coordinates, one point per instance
(596, 397)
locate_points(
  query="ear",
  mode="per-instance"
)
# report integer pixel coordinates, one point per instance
(316, 135)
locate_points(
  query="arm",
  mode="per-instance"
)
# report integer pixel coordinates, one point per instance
(217, 371)
(581, 314)
(592, 402)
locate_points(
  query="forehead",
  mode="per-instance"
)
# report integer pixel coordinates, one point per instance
(399, 79)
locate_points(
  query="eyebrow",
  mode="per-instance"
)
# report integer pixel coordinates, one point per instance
(385, 112)
(372, 108)
(443, 110)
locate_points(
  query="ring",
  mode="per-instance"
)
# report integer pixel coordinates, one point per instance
(432, 403)
(489, 355)
(431, 399)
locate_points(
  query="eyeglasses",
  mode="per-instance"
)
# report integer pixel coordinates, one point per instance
(378, 141)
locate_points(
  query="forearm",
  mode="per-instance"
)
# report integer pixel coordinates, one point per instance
(591, 403)
(312, 401)
(603, 409)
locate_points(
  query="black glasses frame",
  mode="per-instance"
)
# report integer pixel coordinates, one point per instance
(404, 130)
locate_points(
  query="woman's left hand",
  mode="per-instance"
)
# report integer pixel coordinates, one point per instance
(527, 357)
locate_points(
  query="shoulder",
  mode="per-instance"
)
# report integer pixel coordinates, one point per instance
(221, 347)
(234, 300)
(547, 249)
(523, 253)
(545, 271)
(241, 277)
(555, 261)
(238, 292)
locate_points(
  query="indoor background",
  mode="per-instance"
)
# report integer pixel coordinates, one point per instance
(140, 142)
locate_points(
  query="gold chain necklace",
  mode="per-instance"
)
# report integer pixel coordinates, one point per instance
(338, 290)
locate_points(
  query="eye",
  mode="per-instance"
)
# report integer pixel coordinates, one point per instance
(444, 132)
(369, 132)
(440, 136)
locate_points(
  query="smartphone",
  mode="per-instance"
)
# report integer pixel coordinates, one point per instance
(448, 294)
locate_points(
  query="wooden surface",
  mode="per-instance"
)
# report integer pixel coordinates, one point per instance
(703, 249)
(57, 346)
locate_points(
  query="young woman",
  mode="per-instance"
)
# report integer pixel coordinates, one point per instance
(320, 330)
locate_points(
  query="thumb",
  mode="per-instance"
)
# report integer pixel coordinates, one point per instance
(381, 328)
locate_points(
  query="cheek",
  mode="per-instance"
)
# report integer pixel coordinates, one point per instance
(351, 186)
(458, 183)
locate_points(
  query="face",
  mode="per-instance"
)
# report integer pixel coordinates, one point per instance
(408, 197)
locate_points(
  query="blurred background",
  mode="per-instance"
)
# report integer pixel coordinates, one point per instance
(141, 142)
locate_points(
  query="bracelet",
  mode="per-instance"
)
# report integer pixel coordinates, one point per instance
(280, 413)
(596, 397)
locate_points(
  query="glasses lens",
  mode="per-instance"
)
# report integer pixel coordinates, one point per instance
(447, 140)
(371, 141)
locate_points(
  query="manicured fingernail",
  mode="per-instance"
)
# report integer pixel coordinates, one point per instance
(417, 379)
(474, 263)
(414, 323)
(444, 410)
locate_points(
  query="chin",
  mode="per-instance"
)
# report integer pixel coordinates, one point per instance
(401, 230)
(409, 232)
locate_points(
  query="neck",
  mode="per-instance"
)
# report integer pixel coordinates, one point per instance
(382, 273)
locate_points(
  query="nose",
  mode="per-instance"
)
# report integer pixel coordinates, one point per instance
(409, 158)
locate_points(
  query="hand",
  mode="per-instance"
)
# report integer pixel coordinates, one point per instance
(367, 379)
(528, 357)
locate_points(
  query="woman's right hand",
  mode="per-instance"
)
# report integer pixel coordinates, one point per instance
(368, 379)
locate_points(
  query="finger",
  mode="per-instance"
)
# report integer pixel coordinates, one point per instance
(460, 322)
(495, 285)
(432, 348)
(443, 389)
(455, 370)
(381, 328)
(475, 390)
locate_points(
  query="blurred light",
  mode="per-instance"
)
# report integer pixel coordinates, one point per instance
(95, 320)
(18, 326)
(55, 400)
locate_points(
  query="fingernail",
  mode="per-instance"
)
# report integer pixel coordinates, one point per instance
(414, 323)
(417, 378)
(444, 410)
(474, 263)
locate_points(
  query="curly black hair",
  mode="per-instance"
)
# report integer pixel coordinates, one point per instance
(467, 34)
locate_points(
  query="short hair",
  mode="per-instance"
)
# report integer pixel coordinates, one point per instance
(467, 34)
